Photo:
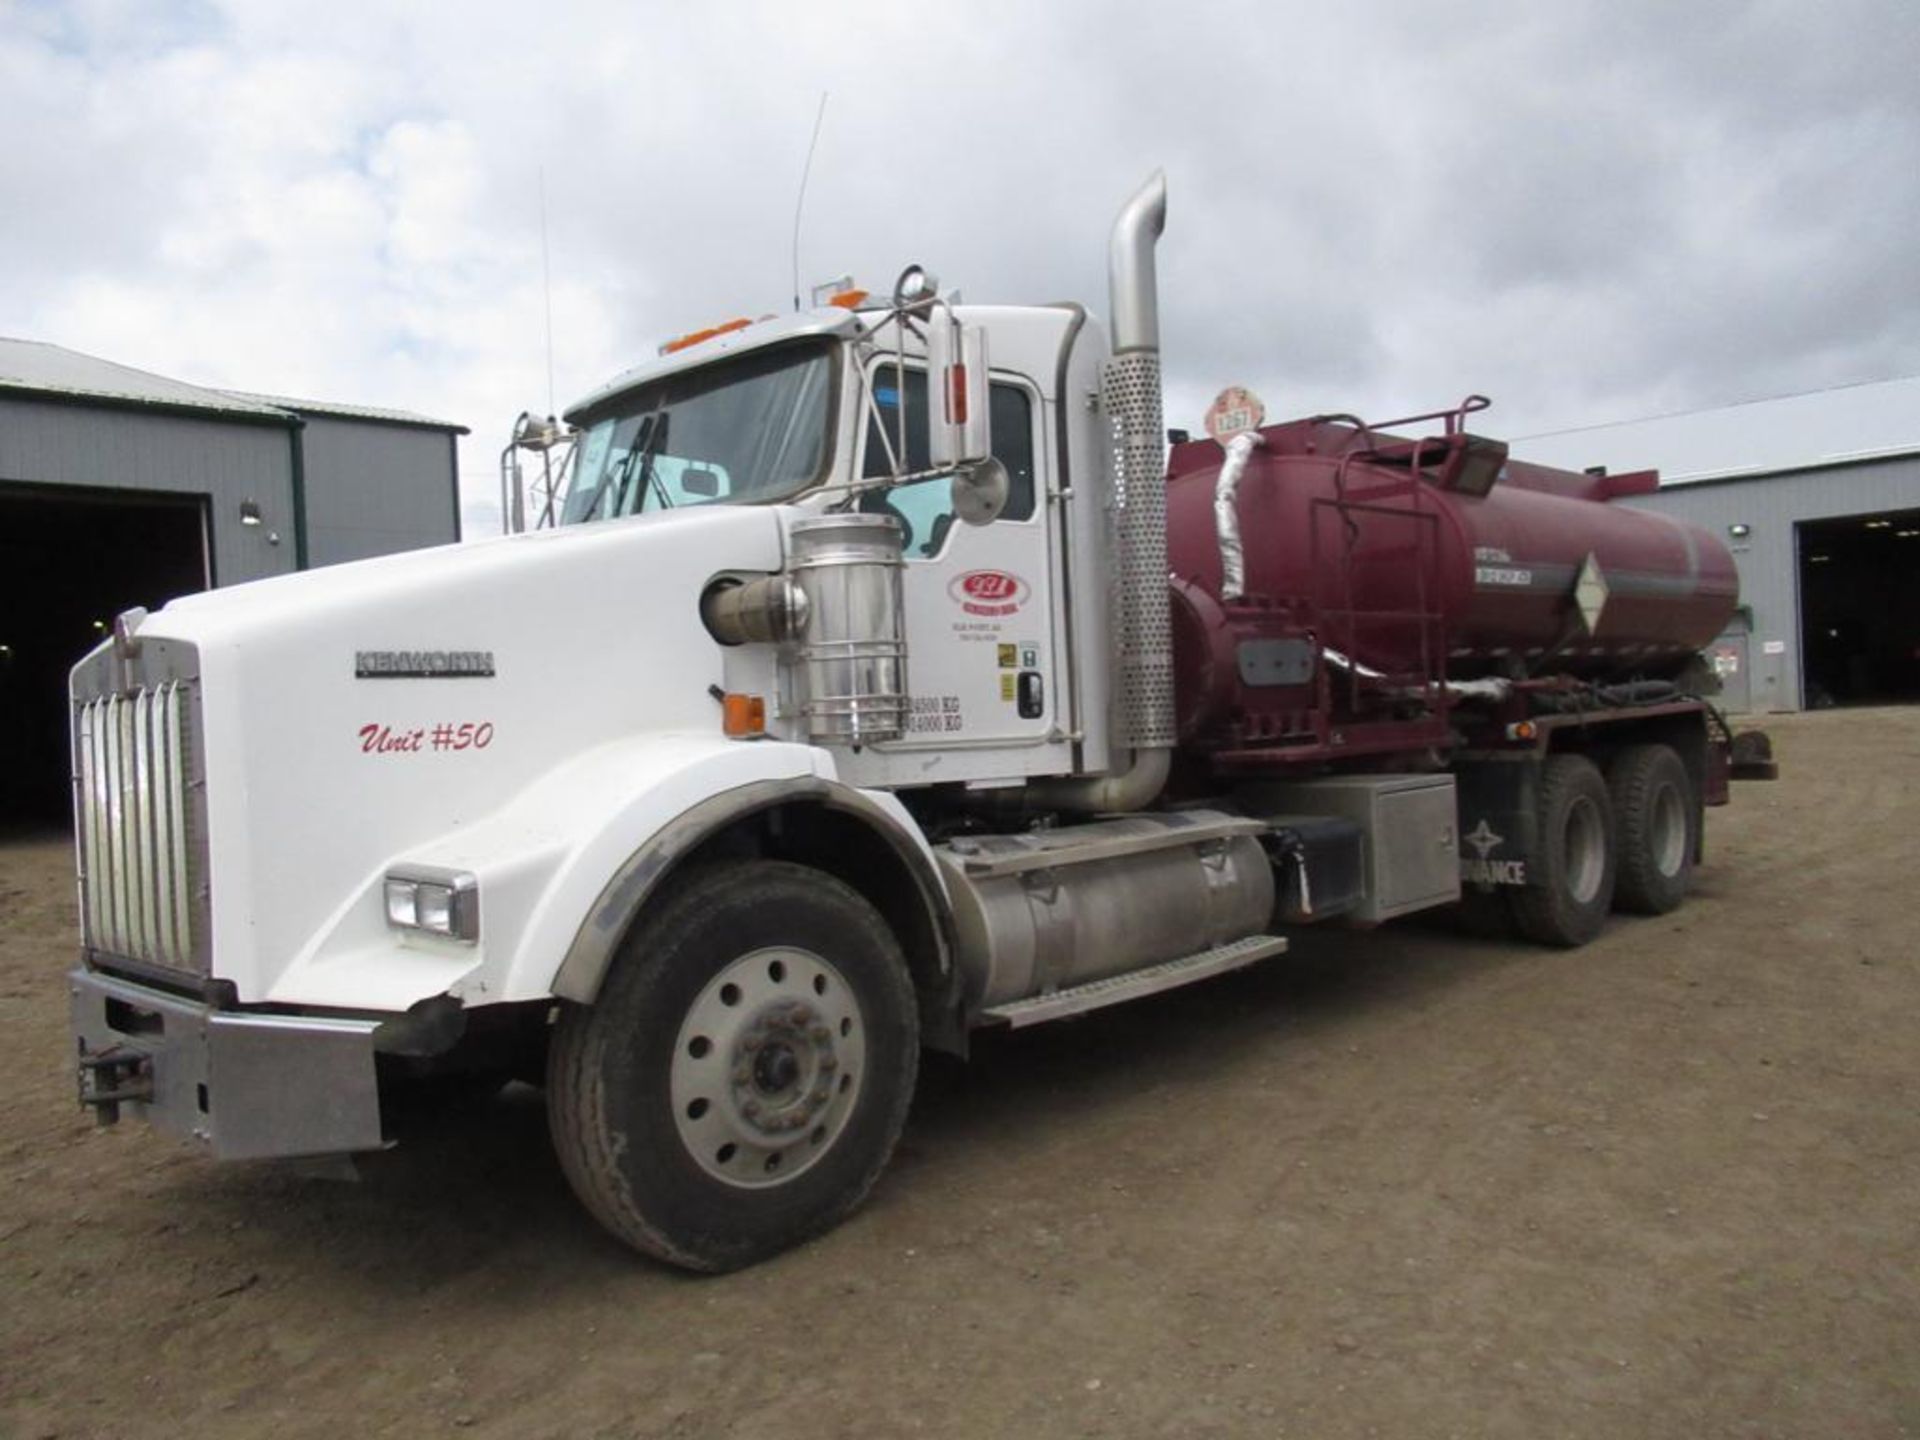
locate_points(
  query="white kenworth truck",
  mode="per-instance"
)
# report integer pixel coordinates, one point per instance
(848, 726)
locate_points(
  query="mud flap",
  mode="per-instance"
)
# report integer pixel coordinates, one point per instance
(1499, 820)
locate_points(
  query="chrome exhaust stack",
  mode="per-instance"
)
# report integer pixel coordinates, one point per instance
(1142, 635)
(1133, 292)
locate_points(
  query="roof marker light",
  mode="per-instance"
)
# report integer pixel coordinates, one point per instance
(698, 336)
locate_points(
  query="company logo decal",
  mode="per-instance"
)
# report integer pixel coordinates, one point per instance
(1482, 871)
(989, 592)
(422, 664)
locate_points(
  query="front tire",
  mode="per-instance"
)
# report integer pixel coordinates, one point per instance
(743, 1077)
(1566, 900)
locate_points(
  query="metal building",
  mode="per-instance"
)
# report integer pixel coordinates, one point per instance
(120, 488)
(1818, 496)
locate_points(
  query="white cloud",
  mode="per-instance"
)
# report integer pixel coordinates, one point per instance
(1585, 210)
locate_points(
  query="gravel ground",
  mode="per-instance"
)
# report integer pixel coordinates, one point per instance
(1398, 1184)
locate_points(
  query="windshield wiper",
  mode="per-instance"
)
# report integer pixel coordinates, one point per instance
(656, 435)
(614, 476)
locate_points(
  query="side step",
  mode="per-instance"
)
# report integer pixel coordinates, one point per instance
(1167, 975)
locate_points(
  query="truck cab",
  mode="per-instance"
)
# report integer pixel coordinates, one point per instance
(827, 411)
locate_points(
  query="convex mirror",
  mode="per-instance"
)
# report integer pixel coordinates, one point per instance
(980, 490)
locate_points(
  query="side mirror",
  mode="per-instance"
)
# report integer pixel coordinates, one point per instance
(958, 430)
(980, 491)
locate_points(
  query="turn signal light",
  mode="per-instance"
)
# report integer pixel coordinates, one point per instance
(1522, 730)
(848, 299)
(743, 715)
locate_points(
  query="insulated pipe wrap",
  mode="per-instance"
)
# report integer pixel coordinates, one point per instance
(1226, 515)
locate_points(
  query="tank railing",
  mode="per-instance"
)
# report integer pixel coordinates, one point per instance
(1454, 421)
(1361, 429)
(1455, 418)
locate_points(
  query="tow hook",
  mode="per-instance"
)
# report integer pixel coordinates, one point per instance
(114, 1075)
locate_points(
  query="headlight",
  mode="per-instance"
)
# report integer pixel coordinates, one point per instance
(439, 902)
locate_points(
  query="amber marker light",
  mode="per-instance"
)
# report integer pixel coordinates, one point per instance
(742, 716)
(697, 336)
(957, 394)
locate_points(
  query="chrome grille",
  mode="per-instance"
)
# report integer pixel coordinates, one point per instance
(140, 825)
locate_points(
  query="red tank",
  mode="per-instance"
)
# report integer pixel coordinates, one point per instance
(1396, 564)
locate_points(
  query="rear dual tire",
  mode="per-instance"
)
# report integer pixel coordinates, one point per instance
(1570, 891)
(1623, 841)
(1658, 828)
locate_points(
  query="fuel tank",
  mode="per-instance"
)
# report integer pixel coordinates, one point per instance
(1436, 558)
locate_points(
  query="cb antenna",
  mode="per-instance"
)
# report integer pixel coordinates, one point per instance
(805, 171)
(546, 285)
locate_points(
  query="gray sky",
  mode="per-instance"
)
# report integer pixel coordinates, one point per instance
(1589, 211)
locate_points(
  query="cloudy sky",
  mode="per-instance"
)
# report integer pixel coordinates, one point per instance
(1590, 211)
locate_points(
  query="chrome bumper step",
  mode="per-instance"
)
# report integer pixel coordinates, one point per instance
(1117, 989)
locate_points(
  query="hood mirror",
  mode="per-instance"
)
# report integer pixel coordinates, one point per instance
(915, 290)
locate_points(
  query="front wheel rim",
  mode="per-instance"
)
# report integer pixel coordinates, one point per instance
(768, 1067)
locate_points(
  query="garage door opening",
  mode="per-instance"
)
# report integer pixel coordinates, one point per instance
(71, 560)
(1860, 609)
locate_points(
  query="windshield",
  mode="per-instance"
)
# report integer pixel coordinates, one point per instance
(754, 429)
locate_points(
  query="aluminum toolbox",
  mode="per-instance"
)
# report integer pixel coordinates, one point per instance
(1411, 827)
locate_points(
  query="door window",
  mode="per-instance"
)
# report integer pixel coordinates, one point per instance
(924, 507)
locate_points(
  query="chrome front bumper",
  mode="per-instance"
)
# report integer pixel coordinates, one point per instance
(249, 1086)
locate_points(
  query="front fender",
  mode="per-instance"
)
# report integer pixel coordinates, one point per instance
(621, 899)
(542, 862)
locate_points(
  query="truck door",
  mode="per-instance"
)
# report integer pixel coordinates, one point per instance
(979, 598)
